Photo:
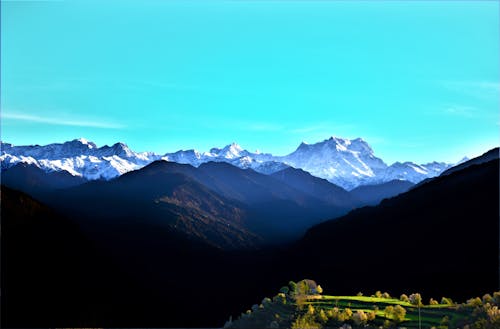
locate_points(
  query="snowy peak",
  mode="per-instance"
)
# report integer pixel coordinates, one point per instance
(79, 157)
(84, 141)
(232, 151)
(344, 162)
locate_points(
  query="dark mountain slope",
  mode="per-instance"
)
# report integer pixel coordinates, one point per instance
(52, 275)
(119, 274)
(488, 156)
(438, 238)
(169, 201)
(35, 181)
(317, 187)
(218, 203)
(373, 194)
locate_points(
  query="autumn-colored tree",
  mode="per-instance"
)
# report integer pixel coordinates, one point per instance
(416, 299)
(360, 317)
(398, 314)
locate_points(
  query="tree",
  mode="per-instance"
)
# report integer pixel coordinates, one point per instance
(280, 298)
(266, 301)
(293, 287)
(285, 289)
(446, 301)
(306, 287)
(322, 317)
(378, 294)
(388, 311)
(386, 295)
(345, 315)
(404, 298)
(475, 302)
(333, 313)
(416, 299)
(488, 299)
(305, 322)
(371, 315)
(319, 290)
(445, 321)
(360, 317)
(432, 301)
(398, 314)
(359, 294)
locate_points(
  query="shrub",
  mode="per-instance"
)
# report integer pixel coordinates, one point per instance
(359, 294)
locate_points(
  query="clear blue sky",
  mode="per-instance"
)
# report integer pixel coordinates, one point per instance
(418, 80)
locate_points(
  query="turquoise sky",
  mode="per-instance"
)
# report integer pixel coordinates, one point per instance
(418, 80)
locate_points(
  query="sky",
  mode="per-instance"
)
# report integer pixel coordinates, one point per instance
(419, 81)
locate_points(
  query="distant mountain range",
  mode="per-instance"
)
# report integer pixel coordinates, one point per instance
(344, 162)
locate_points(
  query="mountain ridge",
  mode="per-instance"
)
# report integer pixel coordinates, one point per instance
(343, 162)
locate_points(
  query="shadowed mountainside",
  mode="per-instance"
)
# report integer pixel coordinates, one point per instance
(439, 238)
(373, 194)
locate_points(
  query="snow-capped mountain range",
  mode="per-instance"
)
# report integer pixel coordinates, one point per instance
(344, 162)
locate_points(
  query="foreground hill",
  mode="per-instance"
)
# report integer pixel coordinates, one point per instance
(300, 305)
(52, 274)
(440, 237)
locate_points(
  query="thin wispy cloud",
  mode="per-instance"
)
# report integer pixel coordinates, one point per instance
(60, 121)
(478, 89)
(463, 111)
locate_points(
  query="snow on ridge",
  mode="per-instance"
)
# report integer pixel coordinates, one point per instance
(344, 162)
